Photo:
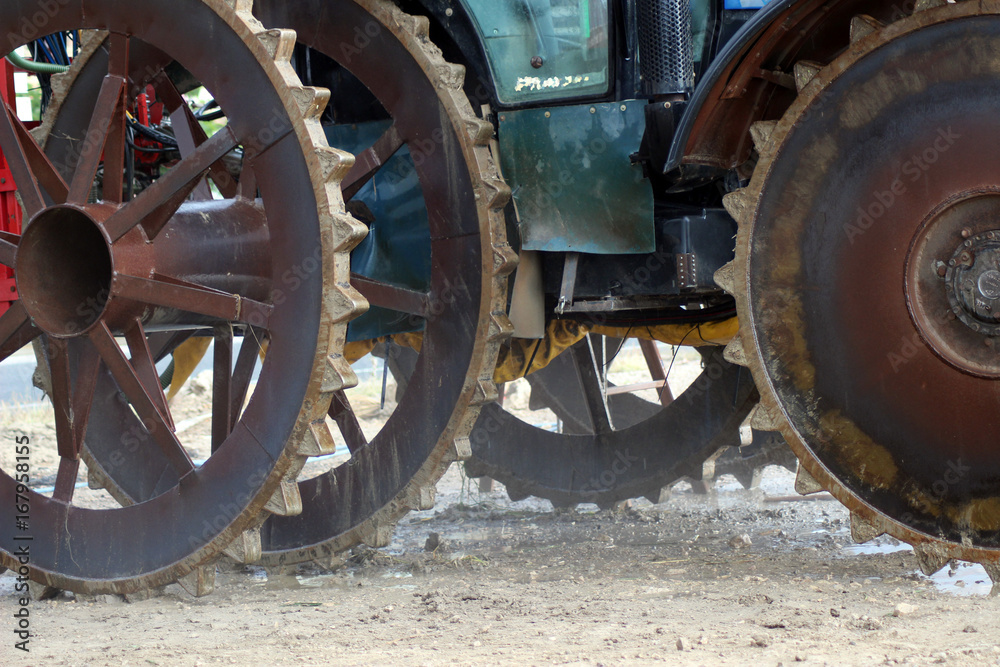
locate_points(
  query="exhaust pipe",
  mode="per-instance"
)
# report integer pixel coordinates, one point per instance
(665, 58)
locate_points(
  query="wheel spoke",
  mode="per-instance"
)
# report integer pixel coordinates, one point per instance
(145, 369)
(29, 165)
(247, 188)
(392, 297)
(222, 385)
(16, 330)
(71, 400)
(656, 371)
(173, 293)
(114, 147)
(589, 368)
(190, 135)
(158, 203)
(342, 413)
(129, 382)
(109, 101)
(69, 471)
(370, 161)
(62, 402)
(246, 362)
(8, 248)
(88, 369)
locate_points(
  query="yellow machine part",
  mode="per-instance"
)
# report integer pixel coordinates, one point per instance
(699, 335)
(523, 357)
(356, 351)
(518, 358)
(187, 356)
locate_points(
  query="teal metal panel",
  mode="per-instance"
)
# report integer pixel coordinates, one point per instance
(397, 249)
(570, 37)
(574, 183)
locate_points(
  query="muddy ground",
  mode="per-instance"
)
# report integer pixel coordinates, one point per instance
(518, 583)
(730, 578)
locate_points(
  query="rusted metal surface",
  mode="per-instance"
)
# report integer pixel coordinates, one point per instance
(464, 309)
(863, 269)
(741, 88)
(153, 269)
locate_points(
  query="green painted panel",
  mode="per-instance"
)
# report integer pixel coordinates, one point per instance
(574, 183)
(568, 40)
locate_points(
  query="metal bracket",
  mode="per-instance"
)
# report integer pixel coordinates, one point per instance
(687, 270)
(568, 282)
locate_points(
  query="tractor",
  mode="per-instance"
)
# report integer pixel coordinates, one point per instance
(478, 192)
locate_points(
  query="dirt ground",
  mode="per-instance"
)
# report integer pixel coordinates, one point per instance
(731, 578)
(517, 583)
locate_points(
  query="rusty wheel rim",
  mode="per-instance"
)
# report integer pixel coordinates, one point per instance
(858, 322)
(154, 276)
(360, 501)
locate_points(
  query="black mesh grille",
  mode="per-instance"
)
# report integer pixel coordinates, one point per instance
(665, 46)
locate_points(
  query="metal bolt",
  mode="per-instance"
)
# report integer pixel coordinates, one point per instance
(449, 12)
(666, 105)
(968, 244)
(989, 342)
(951, 262)
(537, 62)
(966, 233)
(942, 270)
(548, 114)
(503, 118)
(624, 108)
(593, 109)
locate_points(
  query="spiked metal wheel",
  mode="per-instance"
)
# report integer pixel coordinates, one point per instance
(149, 269)
(460, 310)
(463, 307)
(866, 278)
(613, 447)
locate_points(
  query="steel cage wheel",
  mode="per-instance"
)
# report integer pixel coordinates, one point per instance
(864, 271)
(164, 277)
(642, 449)
(360, 501)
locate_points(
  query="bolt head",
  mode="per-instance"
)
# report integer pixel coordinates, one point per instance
(537, 62)
(966, 233)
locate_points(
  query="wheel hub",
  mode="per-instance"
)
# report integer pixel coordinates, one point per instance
(973, 283)
(953, 282)
(64, 271)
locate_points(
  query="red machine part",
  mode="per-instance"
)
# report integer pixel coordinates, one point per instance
(148, 115)
(10, 210)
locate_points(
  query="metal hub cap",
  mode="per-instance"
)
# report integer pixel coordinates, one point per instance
(951, 271)
(974, 283)
(953, 285)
